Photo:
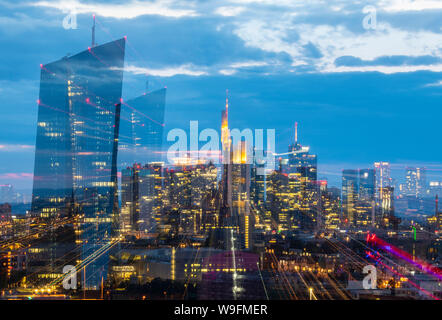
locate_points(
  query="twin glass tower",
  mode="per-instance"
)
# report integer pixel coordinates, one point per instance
(80, 115)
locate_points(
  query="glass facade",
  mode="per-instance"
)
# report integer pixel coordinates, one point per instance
(141, 129)
(75, 170)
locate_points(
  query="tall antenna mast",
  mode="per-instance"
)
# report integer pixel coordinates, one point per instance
(93, 32)
(296, 132)
(227, 101)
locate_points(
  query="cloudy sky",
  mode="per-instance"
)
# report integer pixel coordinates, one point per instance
(362, 89)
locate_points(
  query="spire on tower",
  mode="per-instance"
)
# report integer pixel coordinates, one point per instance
(296, 132)
(93, 32)
(227, 100)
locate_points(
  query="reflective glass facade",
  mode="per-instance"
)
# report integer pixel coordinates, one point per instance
(75, 170)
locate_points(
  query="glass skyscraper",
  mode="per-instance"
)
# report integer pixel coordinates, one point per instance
(350, 189)
(75, 172)
(142, 127)
(139, 156)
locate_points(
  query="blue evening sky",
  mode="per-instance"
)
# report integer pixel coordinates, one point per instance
(360, 95)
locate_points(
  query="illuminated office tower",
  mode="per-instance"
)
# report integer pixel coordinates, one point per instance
(258, 184)
(226, 219)
(241, 177)
(387, 209)
(366, 185)
(366, 198)
(151, 197)
(276, 189)
(130, 209)
(226, 159)
(293, 201)
(301, 161)
(141, 128)
(383, 178)
(283, 199)
(415, 182)
(331, 210)
(383, 181)
(142, 194)
(350, 189)
(241, 171)
(76, 151)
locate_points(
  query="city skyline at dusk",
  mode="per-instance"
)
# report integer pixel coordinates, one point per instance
(361, 111)
(212, 152)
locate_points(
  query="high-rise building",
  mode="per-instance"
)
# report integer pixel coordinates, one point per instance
(241, 171)
(366, 197)
(142, 198)
(383, 183)
(358, 197)
(76, 150)
(258, 184)
(151, 197)
(330, 207)
(277, 199)
(350, 190)
(415, 182)
(130, 209)
(301, 161)
(7, 194)
(226, 160)
(367, 185)
(141, 129)
(388, 219)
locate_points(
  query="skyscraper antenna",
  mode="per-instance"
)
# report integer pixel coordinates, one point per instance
(296, 132)
(227, 100)
(93, 32)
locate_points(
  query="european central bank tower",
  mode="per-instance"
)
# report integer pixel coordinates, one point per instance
(75, 174)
